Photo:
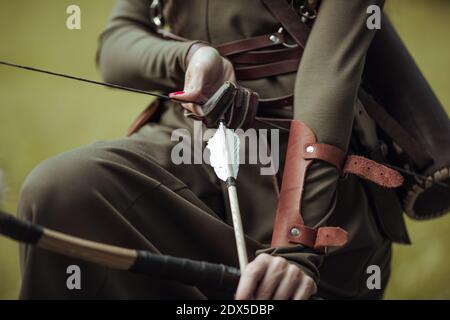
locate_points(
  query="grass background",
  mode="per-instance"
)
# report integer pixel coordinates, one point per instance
(41, 115)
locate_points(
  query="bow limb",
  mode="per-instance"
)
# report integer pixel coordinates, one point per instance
(191, 272)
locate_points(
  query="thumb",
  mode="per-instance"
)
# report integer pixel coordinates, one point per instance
(193, 99)
(187, 95)
(192, 91)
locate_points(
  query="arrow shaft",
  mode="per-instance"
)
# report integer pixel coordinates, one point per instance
(237, 226)
(234, 202)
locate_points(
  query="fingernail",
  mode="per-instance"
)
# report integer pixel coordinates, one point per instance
(176, 93)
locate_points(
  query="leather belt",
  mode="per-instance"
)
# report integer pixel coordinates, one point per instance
(277, 103)
(267, 56)
(266, 70)
(244, 45)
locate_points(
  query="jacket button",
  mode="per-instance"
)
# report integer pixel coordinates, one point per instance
(295, 232)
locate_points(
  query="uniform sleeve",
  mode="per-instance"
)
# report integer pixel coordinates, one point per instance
(330, 71)
(325, 95)
(131, 54)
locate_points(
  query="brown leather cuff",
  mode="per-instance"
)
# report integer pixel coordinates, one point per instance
(302, 150)
(289, 226)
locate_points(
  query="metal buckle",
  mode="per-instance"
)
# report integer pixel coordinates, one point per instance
(156, 15)
(287, 45)
(307, 16)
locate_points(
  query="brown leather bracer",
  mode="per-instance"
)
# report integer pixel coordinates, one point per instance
(303, 149)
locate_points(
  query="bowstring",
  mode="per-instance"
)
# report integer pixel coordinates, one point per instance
(99, 83)
(162, 96)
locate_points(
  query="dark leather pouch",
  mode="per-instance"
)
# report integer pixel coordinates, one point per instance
(233, 104)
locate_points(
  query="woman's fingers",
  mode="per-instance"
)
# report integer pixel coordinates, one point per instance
(194, 108)
(206, 72)
(307, 288)
(251, 276)
(193, 91)
(269, 277)
(190, 96)
(274, 275)
(289, 284)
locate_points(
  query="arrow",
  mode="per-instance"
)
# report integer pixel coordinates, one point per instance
(224, 148)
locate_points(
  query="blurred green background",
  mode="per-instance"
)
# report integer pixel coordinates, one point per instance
(41, 115)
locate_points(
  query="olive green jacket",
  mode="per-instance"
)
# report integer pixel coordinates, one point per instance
(324, 88)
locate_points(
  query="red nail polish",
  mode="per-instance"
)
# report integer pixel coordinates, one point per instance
(176, 93)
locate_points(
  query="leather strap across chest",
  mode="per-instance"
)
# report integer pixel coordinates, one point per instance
(276, 58)
(265, 55)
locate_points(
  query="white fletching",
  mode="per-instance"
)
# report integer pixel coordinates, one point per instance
(224, 149)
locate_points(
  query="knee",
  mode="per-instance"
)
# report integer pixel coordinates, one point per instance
(56, 185)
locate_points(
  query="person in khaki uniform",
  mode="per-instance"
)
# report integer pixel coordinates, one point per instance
(127, 192)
